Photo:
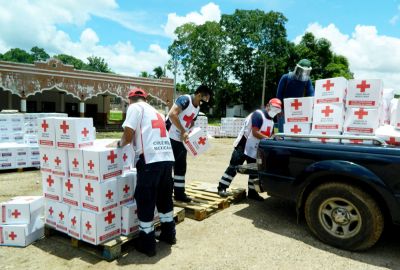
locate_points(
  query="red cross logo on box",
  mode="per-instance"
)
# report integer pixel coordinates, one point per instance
(16, 213)
(202, 140)
(392, 141)
(69, 185)
(267, 132)
(45, 126)
(188, 119)
(327, 111)
(73, 221)
(109, 218)
(328, 85)
(296, 104)
(323, 140)
(160, 124)
(89, 189)
(75, 162)
(91, 164)
(356, 141)
(126, 188)
(363, 86)
(64, 127)
(61, 215)
(124, 157)
(12, 235)
(295, 129)
(85, 132)
(112, 157)
(88, 226)
(45, 158)
(50, 180)
(51, 211)
(360, 113)
(109, 194)
(57, 161)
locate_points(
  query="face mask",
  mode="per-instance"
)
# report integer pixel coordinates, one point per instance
(273, 111)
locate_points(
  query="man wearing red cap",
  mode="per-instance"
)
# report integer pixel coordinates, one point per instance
(145, 128)
(258, 125)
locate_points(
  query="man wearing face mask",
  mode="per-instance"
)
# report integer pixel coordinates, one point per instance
(295, 84)
(258, 125)
(180, 119)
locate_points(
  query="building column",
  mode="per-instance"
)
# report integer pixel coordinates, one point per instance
(82, 108)
(23, 104)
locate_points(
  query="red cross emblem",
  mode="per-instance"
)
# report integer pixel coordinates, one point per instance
(295, 129)
(51, 211)
(112, 157)
(45, 158)
(296, 104)
(12, 235)
(328, 85)
(327, 111)
(16, 213)
(61, 215)
(50, 180)
(109, 218)
(88, 225)
(91, 164)
(361, 113)
(159, 123)
(363, 86)
(323, 140)
(124, 157)
(109, 194)
(69, 185)
(57, 161)
(75, 162)
(45, 126)
(392, 140)
(188, 119)
(267, 132)
(64, 126)
(126, 188)
(202, 140)
(73, 221)
(85, 132)
(89, 189)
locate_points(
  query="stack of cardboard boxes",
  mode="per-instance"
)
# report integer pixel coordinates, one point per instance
(298, 115)
(230, 126)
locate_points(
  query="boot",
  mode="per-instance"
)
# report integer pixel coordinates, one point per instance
(180, 195)
(222, 192)
(253, 195)
(146, 243)
(168, 233)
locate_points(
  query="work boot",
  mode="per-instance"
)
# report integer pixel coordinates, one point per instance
(223, 193)
(180, 195)
(146, 243)
(168, 233)
(253, 195)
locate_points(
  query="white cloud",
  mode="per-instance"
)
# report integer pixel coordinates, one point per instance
(209, 12)
(394, 20)
(370, 55)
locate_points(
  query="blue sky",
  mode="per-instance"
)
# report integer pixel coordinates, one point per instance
(133, 36)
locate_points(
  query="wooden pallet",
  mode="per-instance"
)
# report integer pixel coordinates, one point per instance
(206, 200)
(109, 250)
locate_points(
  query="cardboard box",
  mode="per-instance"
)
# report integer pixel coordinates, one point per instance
(7, 156)
(390, 134)
(99, 197)
(129, 219)
(71, 192)
(127, 155)
(297, 128)
(21, 235)
(74, 223)
(364, 93)
(46, 157)
(323, 140)
(332, 90)
(298, 110)
(22, 153)
(22, 210)
(50, 212)
(52, 187)
(361, 121)
(62, 217)
(46, 132)
(197, 143)
(355, 141)
(59, 162)
(328, 117)
(126, 187)
(101, 164)
(74, 132)
(75, 163)
(98, 228)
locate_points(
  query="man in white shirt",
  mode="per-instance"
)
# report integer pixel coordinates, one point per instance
(144, 127)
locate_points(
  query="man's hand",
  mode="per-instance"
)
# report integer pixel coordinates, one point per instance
(114, 144)
(185, 136)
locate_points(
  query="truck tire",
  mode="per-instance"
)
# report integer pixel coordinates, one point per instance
(344, 216)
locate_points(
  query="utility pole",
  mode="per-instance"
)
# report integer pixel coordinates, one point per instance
(263, 88)
(175, 69)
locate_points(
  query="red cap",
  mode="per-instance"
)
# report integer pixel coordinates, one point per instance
(276, 102)
(137, 92)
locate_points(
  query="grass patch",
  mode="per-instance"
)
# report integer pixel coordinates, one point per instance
(109, 135)
(214, 121)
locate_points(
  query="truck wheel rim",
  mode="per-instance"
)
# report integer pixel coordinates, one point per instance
(340, 218)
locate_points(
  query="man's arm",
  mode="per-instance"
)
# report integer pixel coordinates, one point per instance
(309, 89)
(127, 136)
(281, 88)
(256, 123)
(173, 116)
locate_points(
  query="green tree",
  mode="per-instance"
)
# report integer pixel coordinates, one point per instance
(182, 88)
(70, 60)
(39, 54)
(158, 72)
(144, 74)
(18, 55)
(97, 64)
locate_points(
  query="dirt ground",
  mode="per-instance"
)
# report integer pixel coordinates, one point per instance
(247, 235)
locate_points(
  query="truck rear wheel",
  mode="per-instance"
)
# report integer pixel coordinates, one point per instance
(344, 216)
